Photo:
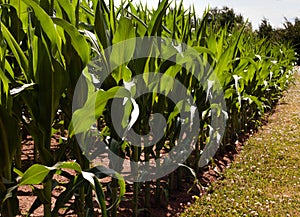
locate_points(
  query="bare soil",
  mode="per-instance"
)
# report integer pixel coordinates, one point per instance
(172, 206)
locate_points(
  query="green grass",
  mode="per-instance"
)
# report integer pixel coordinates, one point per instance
(264, 179)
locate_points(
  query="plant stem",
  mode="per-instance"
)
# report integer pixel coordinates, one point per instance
(47, 191)
(135, 184)
(147, 184)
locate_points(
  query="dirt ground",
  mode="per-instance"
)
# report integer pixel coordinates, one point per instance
(178, 199)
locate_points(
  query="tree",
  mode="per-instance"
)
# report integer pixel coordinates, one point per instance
(226, 17)
(292, 34)
(265, 29)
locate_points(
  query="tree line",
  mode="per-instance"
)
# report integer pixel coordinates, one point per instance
(289, 33)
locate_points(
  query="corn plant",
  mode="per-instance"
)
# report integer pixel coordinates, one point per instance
(53, 60)
(47, 49)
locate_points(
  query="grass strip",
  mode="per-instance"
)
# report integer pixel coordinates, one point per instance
(264, 179)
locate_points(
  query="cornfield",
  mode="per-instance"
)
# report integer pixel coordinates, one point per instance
(119, 76)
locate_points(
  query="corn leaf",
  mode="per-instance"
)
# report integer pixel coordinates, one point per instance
(77, 40)
(34, 175)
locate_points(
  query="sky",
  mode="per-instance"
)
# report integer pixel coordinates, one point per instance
(254, 10)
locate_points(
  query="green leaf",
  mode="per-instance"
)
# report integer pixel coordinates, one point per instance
(112, 16)
(68, 8)
(254, 99)
(122, 185)
(142, 26)
(22, 13)
(204, 50)
(156, 20)
(34, 175)
(18, 172)
(121, 182)
(101, 25)
(45, 22)
(68, 165)
(74, 185)
(4, 80)
(9, 128)
(166, 84)
(122, 49)
(83, 118)
(77, 40)
(100, 196)
(122, 73)
(16, 50)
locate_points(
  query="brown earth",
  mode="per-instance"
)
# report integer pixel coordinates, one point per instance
(178, 199)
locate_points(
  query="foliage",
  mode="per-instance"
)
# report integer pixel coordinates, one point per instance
(292, 33)
(289, 34)
(46, 47)
(265, 29)
(226, 17)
